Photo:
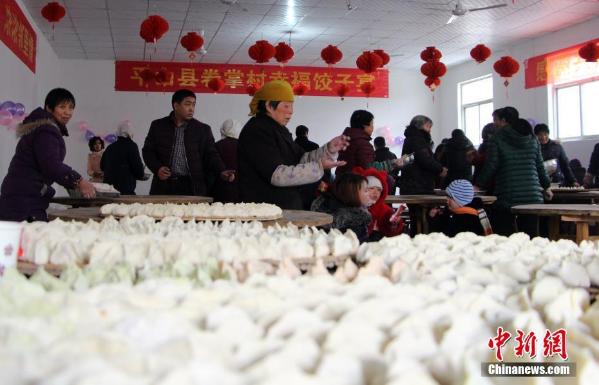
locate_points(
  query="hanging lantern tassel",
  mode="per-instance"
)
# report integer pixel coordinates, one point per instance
(368, 88)
(216, 85)
(342, 90)
(147, 75)
(432, 84)
(53, 12)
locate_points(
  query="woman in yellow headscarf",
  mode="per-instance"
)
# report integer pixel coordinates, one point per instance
(271, 164)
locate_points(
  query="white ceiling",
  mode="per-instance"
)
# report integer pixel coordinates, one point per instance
(109, 29)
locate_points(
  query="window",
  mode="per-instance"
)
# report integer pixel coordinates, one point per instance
(475, 106)
(576, 109)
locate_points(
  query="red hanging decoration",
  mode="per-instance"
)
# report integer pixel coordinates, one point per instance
(369, 62)
(283, 53)
(367, 88)
(53, 12)
(153, 28)
(431, 54)
(162, 76)
(216, 85)
(433, 69)
(589, 52)
(251, 89)
(506, 67)
(192, 42)
(341, 90)
(480, 53)
(432, 83)
(331, 55)
(383, 55)
(300, 89)
(262, 51)
(147, 75)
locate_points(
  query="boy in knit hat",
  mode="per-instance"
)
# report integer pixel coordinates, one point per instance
(466, 212)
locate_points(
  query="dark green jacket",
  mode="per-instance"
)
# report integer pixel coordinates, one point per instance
(514, 159)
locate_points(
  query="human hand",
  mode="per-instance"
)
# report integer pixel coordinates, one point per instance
(228, 175)
(588, 179)
(443, 172)
(476, 188)
(86, 189)
(548, 194)
(164, 173)
(328, 163)
(339, 143)
(399, 162)
(576, 184)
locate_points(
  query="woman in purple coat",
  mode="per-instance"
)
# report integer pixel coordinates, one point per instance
(38, 162)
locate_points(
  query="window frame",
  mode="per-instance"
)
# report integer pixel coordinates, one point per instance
(462, 107)
(555, 110)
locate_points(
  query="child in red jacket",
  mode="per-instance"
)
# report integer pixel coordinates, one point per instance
(385, 223)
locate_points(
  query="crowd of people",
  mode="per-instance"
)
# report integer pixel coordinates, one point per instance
(263, 163)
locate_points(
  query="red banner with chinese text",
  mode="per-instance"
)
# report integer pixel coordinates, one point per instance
(16, 32)
(321, 81)
(559, 66)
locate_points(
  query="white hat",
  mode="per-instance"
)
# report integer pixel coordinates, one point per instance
(373, 181)
(124, 129)
(229, 129)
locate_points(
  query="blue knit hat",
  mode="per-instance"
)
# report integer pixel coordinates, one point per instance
(461, 191)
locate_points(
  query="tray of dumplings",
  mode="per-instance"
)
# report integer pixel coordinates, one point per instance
(571, 189)
(196, 211)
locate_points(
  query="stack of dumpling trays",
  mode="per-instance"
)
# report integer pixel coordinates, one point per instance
(196, 211)
(172, 245)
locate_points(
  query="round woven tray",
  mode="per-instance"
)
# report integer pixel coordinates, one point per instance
(214, 219)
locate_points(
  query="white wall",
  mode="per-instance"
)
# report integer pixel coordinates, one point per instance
(92, 82)
(19, 84)
(532, 103)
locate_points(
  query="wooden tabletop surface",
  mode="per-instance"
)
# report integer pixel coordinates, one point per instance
(558, 209)
(430, 199)
(100, 201)
(297, 217)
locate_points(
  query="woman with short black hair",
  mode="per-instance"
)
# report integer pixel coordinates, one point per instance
(38, 161)
(96, 148)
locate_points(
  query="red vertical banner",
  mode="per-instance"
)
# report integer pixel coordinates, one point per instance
(320, 81)
(17, 33)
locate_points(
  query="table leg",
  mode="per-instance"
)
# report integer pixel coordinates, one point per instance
(553, 228)
(582, 231)
(424, 220)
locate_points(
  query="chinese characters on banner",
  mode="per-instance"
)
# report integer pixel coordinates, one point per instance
(16, 32)
(321, 81)
(553, 343)
(558, 67)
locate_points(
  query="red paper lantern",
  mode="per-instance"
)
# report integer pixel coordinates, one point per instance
(283, 53)
(432, 83)
(589, 52)
(367, 88)
(153, 28)
(262, 51)
(369, 62)
(300, 89)
(433, 69)
(147, 75)
(251, 89)
(384, 56)
(216, 85)
(506, 67)
(53, 12)
(331, 55)
(162, 76)
(431, 54)
(341, 90)
(480, 53)
(192, 42)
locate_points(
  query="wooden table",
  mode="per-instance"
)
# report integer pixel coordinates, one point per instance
(580, 214)
(420, 203)
(101, 201)
(297, 217)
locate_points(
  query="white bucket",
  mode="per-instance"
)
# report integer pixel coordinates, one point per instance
(10, 243)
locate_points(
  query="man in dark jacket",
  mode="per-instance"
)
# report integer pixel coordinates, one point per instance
(180, 151)
(457, 157)
(553, 150)
(121, 162)
(38, 162)
(301, 139)
(590, 178)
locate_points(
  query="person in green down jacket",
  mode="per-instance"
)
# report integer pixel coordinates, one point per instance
(514, 159)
